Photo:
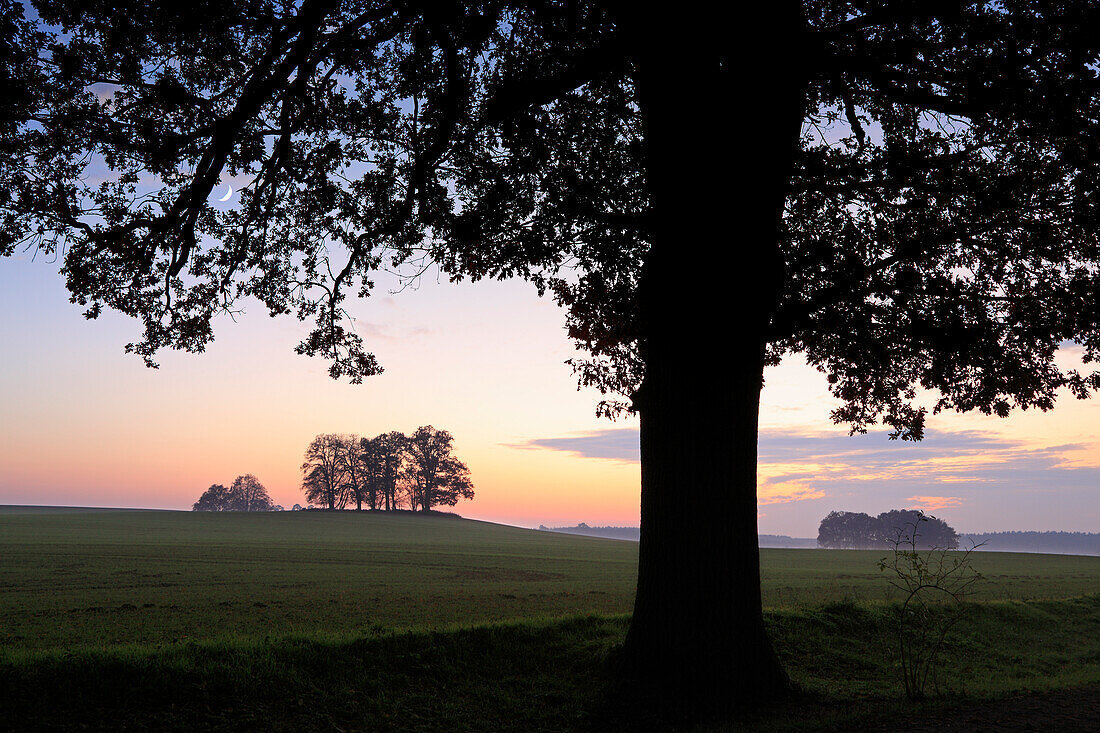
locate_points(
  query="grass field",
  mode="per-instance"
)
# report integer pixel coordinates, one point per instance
(233, 620)
(108, 577)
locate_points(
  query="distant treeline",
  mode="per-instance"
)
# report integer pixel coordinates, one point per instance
(1062, 543)
(632, 533)
(388, 472)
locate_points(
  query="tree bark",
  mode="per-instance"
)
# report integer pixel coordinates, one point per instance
(722, 106)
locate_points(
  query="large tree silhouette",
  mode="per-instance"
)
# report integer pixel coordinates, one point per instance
(324, 476)
(435, 476)
(390, 453)
(904, 192)
(247, 494)
(356, 473)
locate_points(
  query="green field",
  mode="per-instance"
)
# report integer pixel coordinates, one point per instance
(109, 577)
(283, 608)
(100, 578)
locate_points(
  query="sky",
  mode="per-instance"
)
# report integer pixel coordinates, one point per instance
(81, 423)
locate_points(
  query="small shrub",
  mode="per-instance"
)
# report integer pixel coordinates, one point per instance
(934, 583)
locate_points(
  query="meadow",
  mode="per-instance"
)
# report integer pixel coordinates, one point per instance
(435, 623)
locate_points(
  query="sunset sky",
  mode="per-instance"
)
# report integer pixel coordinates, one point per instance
(83, 424)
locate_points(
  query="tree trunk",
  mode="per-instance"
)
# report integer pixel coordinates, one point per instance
(722, 119)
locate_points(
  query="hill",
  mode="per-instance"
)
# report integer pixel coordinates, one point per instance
(103, 577)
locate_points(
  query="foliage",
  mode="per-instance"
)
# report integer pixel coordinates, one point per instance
(246, 494)
(389, 452)
(354, 471)
(856, 530)
(214, 499)
(323, 478)
(249, 495)
(385, 471)
(849, 530)
(934, 583)
(434, 475)
(903, 525)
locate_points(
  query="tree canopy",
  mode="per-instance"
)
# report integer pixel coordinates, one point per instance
(910, 527)
(386, 471)
(246, 494)
(435, 475)
(501, 140)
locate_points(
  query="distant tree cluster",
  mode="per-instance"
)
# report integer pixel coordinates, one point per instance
(859, 531)
(388, 472)
(246, 494)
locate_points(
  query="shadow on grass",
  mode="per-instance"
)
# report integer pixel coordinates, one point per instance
(536, 676)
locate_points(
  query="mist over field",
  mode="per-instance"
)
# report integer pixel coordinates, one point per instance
(1054, 542)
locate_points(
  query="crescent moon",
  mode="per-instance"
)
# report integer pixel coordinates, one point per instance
(227, 194)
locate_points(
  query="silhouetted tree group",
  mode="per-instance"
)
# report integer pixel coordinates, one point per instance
(246, 494)
(387, 472)
(859, 531)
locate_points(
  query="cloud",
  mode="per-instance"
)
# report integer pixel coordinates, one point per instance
(796, 466)
(615, 444)
(786, 493)
(934, 503)
(372, 330)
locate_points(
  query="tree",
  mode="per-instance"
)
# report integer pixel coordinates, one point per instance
(371, 461)
(247, 494)
(436, 476)
(916, 530)
(389, 452)
(904, 192)
(850, 531)
(355, 473)
(323, 479)
(856, 530)
(214, 499)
